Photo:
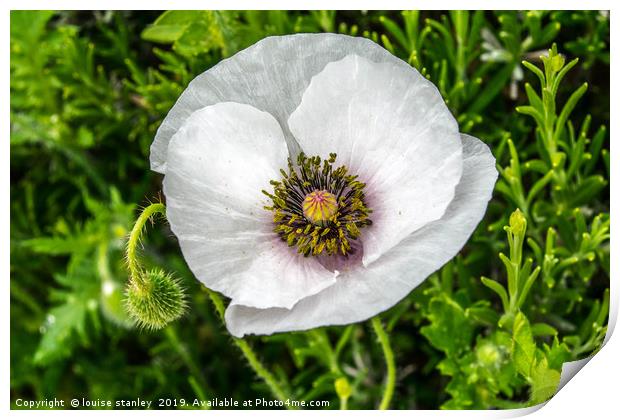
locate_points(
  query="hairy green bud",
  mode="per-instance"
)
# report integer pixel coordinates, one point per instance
(153, 298)
(156, 300)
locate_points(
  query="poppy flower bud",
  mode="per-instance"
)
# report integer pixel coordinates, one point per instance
(156, 300)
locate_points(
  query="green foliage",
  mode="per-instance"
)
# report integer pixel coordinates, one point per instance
(508, 353)
(450, 329)
(193, 32)
(88, 91)
(88, 282)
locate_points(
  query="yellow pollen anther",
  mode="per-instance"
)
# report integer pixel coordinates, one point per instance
(319, 206)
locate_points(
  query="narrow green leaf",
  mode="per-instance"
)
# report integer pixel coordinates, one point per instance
(587, 190)
(541, 329)
(561, 74)
(568, 108)
(595, 149)
(491, 89)
(536, 165)
(533, 97)
(538, 72)
(165, 34)
(532, 112)
(538, 186)
(497, 288)
(396, 32)
(528, 284)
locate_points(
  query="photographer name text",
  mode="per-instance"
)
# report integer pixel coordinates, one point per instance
(166, 403)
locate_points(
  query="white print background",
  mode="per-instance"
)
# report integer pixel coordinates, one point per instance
(593, 392)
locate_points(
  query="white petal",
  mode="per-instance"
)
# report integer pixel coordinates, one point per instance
(391, 127)
(364, 292)
(271, 75)
(218, 163)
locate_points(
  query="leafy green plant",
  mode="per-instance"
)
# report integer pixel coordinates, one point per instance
(91, 287)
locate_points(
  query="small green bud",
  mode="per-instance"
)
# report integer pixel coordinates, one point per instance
(488, 354)
(518, 223)
(156, 300)
(557, 62)
(343, 389)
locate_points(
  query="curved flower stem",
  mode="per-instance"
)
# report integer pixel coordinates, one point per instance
(389, 361)
(134, 239)
(249, 354)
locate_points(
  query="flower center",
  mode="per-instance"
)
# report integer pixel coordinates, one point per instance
(317, 208)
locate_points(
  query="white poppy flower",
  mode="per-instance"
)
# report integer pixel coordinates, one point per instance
(420, 191)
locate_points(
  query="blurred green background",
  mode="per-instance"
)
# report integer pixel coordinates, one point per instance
(88, 91)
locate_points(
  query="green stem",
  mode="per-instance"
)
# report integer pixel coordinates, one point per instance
(332, 360)
(323, 340)
(193, 382)
(260, 369)
(134, 239)
(103, 267)
(198, 382)
(249, 354)
(389, 361)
